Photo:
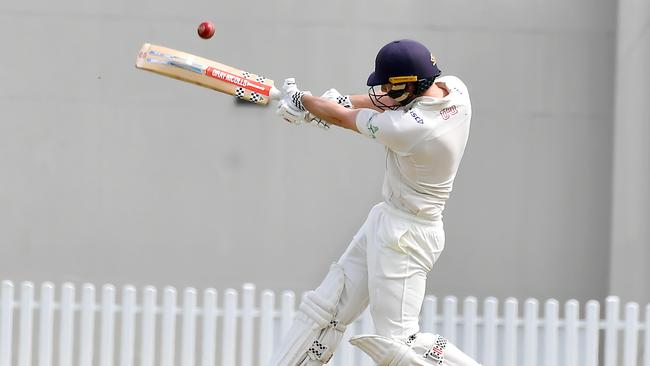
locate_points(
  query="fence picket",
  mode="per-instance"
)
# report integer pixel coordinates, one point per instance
(128, 326)
(66, 325)
(87, 329)
(571, 313)
(470, 323)
(287, 309)
(209, 327)
(612, 308)
(267, 310)
(46, 324)
(631, 334)
(6, 322)
(168, 336)
(148, 319)
(531, 328)
(551, 325)
(429, 313)
(26, 324)
(646, 347)
(592, 336)
(107, 336)
(228, 352)
(189, 327)
(248, 312)
(490, 308)
(450, 311)
(510, 332)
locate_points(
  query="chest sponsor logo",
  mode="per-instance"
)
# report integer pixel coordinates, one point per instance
(417, 118)
(446, 113)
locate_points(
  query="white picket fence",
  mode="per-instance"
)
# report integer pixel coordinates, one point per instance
(67, 330)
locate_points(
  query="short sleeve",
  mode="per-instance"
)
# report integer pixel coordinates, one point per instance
(389, 128)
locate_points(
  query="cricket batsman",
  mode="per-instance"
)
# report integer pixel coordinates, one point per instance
(423, 120)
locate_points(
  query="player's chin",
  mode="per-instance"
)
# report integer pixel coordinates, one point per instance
(392, 104)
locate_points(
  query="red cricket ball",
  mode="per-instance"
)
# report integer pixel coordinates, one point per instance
(205, 30)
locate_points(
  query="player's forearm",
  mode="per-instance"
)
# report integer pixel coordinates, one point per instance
(331, 112)
(363, 101)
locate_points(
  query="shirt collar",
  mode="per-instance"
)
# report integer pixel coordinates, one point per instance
(428, 102)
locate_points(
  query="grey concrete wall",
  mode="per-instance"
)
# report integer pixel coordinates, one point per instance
(114, 175)
(631, 209)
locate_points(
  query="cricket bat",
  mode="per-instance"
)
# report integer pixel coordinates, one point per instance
(207, 73)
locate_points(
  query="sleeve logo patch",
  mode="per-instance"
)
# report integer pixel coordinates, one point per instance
(372, 128)
(417, 118)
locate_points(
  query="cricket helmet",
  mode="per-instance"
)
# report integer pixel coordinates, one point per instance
(403, 61)
(398, 63)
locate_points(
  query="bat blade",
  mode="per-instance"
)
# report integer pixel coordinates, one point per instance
(210, 74)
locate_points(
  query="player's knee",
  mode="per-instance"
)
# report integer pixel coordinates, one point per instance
(317, 329)
(320, 305)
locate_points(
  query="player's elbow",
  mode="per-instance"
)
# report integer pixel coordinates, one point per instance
(348, 119)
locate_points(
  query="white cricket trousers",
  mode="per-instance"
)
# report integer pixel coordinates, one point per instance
(386, 267)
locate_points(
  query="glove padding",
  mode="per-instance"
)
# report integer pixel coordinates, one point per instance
(290, 114)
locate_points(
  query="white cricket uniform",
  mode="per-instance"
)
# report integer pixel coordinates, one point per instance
(387, 262)
(424, 145)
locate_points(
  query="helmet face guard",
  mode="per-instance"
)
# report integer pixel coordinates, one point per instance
(399, 93)
(376, 99)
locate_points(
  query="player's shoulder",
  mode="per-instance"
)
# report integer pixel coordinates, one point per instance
(402, 119)
(453, 83)
(450, 79)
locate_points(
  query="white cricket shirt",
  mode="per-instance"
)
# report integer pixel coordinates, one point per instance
(424, 143)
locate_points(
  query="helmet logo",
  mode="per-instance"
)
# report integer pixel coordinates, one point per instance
(433, 59)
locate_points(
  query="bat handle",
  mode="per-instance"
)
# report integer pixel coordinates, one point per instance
(275, 94)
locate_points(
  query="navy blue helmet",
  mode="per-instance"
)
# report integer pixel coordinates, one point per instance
(401, 62)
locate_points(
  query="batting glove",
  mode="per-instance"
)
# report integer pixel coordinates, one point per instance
(293, 95)
(291, 114)
(290, 107)
(335, 96)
